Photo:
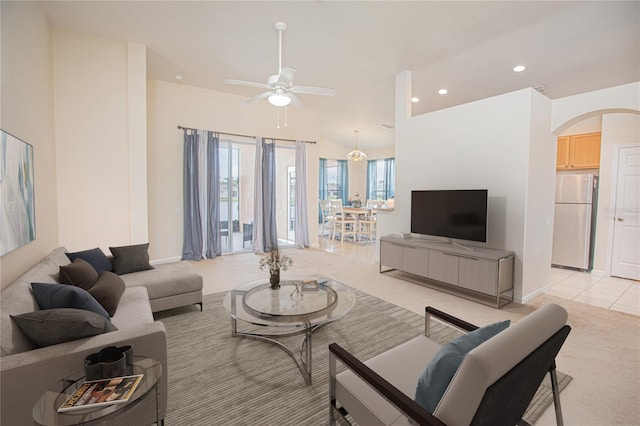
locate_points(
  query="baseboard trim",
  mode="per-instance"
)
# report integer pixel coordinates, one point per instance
(167, 260)
(533, 295)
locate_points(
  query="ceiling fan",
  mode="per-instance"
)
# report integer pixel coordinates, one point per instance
(280, 88)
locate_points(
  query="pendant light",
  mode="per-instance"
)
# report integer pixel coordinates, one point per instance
(356, 154)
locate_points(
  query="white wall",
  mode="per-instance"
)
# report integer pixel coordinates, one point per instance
(540, 199)
(27, 113)
(170, 105)
(572, 109)
(485, 144)
(99, 89)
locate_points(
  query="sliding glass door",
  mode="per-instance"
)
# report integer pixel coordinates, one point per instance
(237, 171)
(285, 195)
(236, 195)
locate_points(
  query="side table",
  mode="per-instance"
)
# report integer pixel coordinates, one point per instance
(45, 411)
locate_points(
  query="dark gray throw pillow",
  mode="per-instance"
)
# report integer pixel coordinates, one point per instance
(108, 290)
(95, 257)
(127, 259)
(79, 273)
(54, 296)
(53, 326)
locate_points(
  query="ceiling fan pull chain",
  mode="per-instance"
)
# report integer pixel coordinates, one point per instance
(278, 109)
(285, 116)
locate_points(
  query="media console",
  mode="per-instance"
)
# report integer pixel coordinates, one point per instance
(482, 274)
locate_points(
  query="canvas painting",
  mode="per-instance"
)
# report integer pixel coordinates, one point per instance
(17, 210)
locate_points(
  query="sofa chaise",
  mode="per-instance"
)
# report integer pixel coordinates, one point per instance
(26, 370)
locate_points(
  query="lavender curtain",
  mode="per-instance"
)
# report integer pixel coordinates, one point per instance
(301, 224)
(265, 236)
(201, 195)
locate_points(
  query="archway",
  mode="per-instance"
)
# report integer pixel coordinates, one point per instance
(620, 126)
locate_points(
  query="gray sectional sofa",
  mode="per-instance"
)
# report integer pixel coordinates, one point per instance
(26, 370)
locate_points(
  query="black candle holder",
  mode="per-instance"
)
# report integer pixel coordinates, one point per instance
(111, 361)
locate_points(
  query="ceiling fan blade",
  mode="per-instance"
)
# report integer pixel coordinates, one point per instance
(286, 76)
(257, 98)
(248, 83)
(310, 90)
(295, 101)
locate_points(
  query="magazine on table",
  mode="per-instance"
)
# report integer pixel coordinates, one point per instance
(96, 393)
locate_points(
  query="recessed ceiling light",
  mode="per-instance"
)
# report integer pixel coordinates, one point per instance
(178, 77)
(519, 68)
(443, 91)
(415, 99)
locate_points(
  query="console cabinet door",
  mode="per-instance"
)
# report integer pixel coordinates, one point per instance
(443, 267)
(415, 260)
(479, 275)
(390, 255)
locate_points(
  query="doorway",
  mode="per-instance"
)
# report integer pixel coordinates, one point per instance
(236, 196)
(625, 257)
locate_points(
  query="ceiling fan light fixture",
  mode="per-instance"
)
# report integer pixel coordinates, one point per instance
(279, 100)
(356, 154)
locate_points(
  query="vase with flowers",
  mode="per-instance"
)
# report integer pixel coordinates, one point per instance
(275, 261)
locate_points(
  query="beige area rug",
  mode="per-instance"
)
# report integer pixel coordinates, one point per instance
(215, 379)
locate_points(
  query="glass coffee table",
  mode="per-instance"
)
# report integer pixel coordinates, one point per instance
(293, 309)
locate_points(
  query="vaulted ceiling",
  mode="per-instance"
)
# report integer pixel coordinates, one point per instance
(357, 48)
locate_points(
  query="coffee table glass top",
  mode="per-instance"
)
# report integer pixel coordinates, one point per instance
(290, 305)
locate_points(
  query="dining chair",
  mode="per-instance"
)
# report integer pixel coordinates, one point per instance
(367, 225)
(344, 223)
(326, 217)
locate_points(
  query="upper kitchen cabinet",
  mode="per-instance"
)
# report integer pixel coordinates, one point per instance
(579, 152)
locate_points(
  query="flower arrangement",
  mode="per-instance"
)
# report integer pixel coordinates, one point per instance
(275, 261)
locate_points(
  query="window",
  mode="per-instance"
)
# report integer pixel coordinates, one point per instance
(381, 179)
(334, 180)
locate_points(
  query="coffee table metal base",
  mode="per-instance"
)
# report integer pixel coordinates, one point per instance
(302, 359)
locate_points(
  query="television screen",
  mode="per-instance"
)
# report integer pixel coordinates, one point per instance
(459, 214)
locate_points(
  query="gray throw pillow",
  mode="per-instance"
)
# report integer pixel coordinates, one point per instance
(53, 326)
(127, 259)
(54, 296)
(107, 290)
(79, 273)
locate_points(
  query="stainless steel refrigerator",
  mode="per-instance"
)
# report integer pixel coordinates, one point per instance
(574, 222)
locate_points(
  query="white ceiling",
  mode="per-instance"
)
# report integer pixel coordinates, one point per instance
(357, 48)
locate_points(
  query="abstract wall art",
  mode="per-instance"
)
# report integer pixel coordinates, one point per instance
(17, 202)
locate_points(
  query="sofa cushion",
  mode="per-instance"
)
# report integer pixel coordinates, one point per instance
(17, 298)
(95, 257)
(168, 279)
(134, 309)
(107, 290)
(132, 258)
(438, 374)
(53, 326)
(53, 296)
(79, 273)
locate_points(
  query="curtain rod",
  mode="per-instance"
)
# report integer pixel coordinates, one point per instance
(246, 136)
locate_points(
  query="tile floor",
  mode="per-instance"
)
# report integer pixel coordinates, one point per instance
(597, 290)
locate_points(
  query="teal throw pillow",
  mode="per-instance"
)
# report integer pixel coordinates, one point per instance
(54, 296)
(438, 374)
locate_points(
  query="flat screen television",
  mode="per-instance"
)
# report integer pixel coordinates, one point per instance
(458, 214)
